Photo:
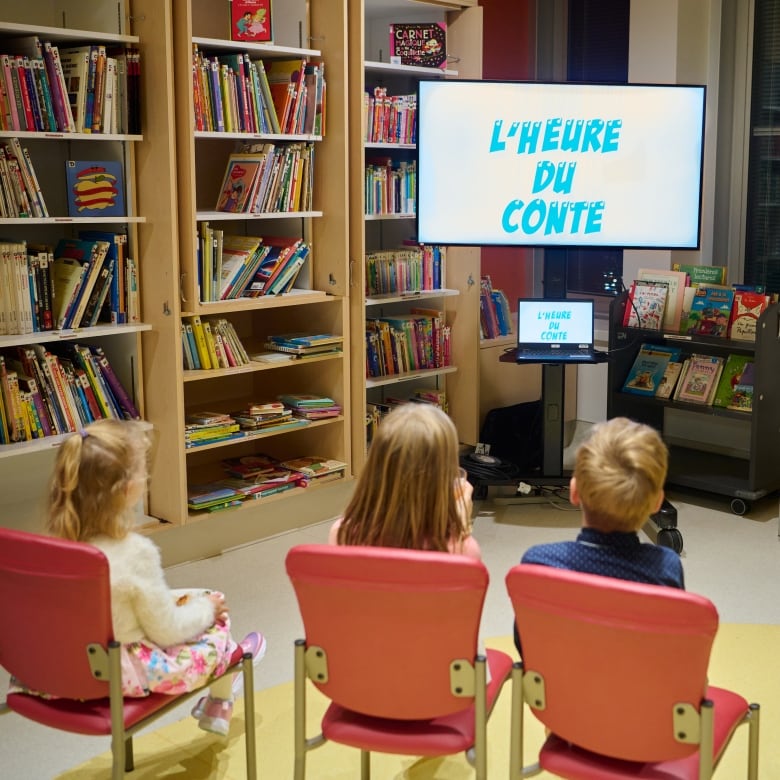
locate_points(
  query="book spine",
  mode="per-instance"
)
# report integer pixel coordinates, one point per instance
(200, 342)
(128, 407)
(210, 344)
(84, 359)
(196, 364)
(31, 387)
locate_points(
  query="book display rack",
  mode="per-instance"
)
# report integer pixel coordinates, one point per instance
(59, 368)
(384, 322)
(715, 444)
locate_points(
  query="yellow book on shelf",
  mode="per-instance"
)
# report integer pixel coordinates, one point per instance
(211, 344)
(200, 342)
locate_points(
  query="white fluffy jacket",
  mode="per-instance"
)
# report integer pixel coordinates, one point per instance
(142, 604)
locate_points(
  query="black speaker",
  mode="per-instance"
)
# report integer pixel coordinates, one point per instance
(554, 276)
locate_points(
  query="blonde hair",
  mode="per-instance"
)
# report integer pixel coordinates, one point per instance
(92, 487)
(620, 471)
(405, 496)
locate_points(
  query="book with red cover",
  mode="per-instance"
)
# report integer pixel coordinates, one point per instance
(250, 20)
(282, 249)
(745, 311)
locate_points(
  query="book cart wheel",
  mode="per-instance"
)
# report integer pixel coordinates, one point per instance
(671, 537)
(739, 506)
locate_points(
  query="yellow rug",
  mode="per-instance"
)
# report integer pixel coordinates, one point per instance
(744, 659)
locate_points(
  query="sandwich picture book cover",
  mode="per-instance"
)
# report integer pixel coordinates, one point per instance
(419, 43)
(95, 188)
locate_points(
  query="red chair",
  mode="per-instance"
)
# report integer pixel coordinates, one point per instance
(391, 640)
(56, 595)
(617, 672)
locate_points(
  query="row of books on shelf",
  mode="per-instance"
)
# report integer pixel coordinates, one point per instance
(236, 266)
(662, 371)
(268, 178)
(495, 319)
(376, 412)
(288, 411)
(694, 301)
(74, 283)
(405, 270)
(212, 343)
(234, 93)
(407, 342)
(391, 188)
(252, 477)
(91, 88)
(45, 393)
(20, 192)
(390, 119)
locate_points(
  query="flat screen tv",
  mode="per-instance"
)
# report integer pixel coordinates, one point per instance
(559, 164)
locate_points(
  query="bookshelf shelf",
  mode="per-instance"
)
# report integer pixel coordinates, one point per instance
(391, 146)
(50, 136)
(209, 135)
(411, 376)
(420, 295)
(49, 336)
(221, 216)
(296, 297)
(124, 220)
(201, 375)
(380, 217)
(260, 49)
(407, 70)
(60, 34)
(250, 437)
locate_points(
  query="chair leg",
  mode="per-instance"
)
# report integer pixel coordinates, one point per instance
(480, 718)
(129, 757)
(300, 710)
(365, 765)
(706, 741)
(250, 736)
(516, 724)
(753, 724)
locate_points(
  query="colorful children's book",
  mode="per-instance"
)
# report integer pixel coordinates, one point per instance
(745, 311)
(647, 371)
(250, 20)
(238, 186)
(703, 274)
(314, 466)
(742, 397)
(419, 43)
(700, 380)
(676, 282)
(646, 305)
(95, 188)
(669, 380)
(730, 377)
(710, 311)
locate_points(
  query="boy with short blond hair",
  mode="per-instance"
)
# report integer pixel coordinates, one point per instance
(618, 482)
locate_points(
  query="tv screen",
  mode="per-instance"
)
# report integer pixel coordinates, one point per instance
(559, 164)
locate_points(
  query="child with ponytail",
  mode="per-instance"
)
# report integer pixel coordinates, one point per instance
(172, 641)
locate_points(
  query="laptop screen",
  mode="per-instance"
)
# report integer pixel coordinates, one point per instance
(559, 325)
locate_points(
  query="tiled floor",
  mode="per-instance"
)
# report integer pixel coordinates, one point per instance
(733, 560)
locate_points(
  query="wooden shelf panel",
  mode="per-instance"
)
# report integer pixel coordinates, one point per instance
(410, 376)
(410, 297)
(261, 49)
(49, 336)
(199, 375)
(59, 34)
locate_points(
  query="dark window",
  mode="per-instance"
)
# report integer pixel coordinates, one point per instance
(597, 51)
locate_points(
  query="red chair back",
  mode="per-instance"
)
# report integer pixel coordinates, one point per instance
(616, 657)
(55, 598)
(390, 621)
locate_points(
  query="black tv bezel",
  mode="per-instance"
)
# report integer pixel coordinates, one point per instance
(566, 245)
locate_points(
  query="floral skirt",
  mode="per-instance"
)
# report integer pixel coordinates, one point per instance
(148, 668)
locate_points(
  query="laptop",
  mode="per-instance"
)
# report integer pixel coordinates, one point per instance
(555, 330)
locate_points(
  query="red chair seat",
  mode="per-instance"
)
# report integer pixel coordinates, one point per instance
(436, 737)
(573, 763)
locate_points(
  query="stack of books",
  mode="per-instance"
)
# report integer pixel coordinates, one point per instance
(212, 496)
(389, 119)
(406, 270)
(257, 476)
(310, 407)
(211, 344)
(302, 345)
(495, 318)
(316, 469)
(203, 428)
(20, 192)
(260, 417)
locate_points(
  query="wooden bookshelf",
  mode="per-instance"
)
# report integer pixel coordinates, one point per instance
(369, 66)
(27, 464)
